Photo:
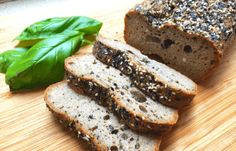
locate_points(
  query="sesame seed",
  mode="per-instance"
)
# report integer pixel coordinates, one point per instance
(148, 126)
(87, 136)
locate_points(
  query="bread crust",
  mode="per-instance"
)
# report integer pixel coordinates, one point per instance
(75, 126)
(172, 96)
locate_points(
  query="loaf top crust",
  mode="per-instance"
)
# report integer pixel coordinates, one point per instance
(214, 20)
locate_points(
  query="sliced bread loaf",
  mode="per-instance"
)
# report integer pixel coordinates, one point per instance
(94, 123)
(110, 87)
(190, 36)
(155, 79)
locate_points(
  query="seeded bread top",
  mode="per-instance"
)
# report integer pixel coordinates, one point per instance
(163, 73)
(212, 19)
(127, 95)
(98, 124)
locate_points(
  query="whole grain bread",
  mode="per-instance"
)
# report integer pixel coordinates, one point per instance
(108, 86)
(190, 36)
(94, 123)
(155, 79)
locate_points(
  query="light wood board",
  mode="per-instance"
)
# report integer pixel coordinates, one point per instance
(209, 123)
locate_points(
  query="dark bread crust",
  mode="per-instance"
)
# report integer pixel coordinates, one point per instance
(104, 96)
(75, 126)
(218, 45)
(140, 76)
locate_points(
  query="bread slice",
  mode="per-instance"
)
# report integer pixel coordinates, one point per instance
(189, 36)
(94, 123)
(111, 88)
(155, 79)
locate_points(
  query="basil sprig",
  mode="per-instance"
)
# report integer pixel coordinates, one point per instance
(51, 41)
(43, 63)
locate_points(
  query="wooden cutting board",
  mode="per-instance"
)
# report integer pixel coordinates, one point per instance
(209, 123)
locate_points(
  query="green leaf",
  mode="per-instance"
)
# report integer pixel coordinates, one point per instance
(43, 64)
(49, 27)
(8, 57)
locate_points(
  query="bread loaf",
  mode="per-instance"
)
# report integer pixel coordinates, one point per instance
(190, 36)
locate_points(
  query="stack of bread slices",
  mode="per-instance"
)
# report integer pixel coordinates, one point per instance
(118, 98)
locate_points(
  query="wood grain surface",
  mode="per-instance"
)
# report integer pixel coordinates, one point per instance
(209, 123)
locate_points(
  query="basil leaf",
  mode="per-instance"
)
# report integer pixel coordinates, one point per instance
(43, 64)
(49, 27)
(8, 57)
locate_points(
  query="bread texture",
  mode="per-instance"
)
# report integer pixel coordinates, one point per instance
(94, 123)
(189, 36)
(108, 86)
(155, 79)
